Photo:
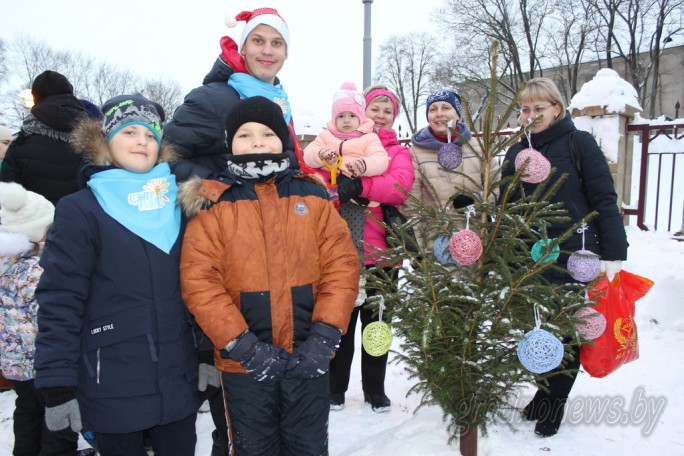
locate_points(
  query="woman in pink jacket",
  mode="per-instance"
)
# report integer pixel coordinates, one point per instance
(382, 107)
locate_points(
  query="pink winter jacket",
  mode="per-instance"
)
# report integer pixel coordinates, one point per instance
(366, 146)
(383, 190)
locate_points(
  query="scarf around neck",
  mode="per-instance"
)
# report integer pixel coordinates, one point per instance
(426, 139)
(257, 167)
(144, 203)
(248, 86)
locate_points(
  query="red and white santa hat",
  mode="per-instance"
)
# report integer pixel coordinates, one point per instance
(265, 16)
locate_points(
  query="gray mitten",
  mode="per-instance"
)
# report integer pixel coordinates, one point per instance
(61, 409)
(208, 376)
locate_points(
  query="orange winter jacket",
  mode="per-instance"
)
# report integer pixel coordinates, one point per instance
(272, 257)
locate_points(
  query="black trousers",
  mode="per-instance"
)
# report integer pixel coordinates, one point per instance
(218, 415)
(373, 368)
(286, 419)
(174, 439)
(550, 404)
(31, 436)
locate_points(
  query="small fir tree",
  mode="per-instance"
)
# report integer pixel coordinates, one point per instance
(460, 325)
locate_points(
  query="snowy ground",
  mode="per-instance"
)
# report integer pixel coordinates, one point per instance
(646, 397)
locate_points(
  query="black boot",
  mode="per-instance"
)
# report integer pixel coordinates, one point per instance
(548, 423)
(379, 402)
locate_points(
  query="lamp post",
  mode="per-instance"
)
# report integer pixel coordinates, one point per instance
(27, 97)
(367, 41)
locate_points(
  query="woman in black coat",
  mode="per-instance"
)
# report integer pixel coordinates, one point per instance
(41, 158)
(589, 187)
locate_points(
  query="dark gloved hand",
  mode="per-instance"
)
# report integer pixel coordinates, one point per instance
(461, 201)
(61, 409)
(348, 188)
(264, 362)
(312, 358)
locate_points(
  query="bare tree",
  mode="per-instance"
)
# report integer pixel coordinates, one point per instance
(635, 32)
(94, 80)
(3, 60)
(406, 66)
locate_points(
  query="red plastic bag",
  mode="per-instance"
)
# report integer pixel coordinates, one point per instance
(619, 344)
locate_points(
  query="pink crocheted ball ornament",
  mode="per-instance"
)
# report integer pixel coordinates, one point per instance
(465, 247)
(450, 156)
(584, 265)
(592, 323)
(538, 167)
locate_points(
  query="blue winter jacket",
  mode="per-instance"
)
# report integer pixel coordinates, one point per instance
(111, 321)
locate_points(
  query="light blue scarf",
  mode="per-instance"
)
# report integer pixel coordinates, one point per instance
(144, 203)
(248, 86)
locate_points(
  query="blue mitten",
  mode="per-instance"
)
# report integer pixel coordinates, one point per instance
(61, 409)
(264, 362)
(312, 358)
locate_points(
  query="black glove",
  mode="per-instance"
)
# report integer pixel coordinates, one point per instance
(348, 188)
(264, 362)
(461, 201)
(61, 409)
(312, 358)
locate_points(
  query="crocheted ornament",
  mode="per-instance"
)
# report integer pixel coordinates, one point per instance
(592, 323)
(541, 247)
(584, 265)
(465, 247)
(441, 250)
(538, 167)
(377, 338)
(540, 351)
(450, 156)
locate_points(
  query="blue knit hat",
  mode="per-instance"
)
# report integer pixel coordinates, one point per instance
(450, 96)
(124, 110)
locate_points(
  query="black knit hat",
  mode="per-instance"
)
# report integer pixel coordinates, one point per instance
(49, 83)
(256, 109)
(130, 109)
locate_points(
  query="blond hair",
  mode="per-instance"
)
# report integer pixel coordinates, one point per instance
(546, 90)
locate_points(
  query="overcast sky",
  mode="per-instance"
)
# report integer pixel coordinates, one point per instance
(179, 39)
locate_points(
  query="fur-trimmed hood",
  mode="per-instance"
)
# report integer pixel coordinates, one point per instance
(88, 140)
(196, 194)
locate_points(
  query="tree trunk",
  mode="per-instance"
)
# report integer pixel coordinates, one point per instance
(468, 441)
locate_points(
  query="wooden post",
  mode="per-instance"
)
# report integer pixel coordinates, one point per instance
(467, 441)
(622, 170)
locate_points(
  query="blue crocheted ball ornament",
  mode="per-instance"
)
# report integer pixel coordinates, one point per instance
(441, 250)
(539, 351)
(450, 156)
(584, 265)
(541, 247)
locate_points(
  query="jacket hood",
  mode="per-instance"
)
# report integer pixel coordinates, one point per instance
(88, 140)
(61, 112)
(196, 194)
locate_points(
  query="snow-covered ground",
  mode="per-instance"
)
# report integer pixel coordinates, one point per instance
(637, 410)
